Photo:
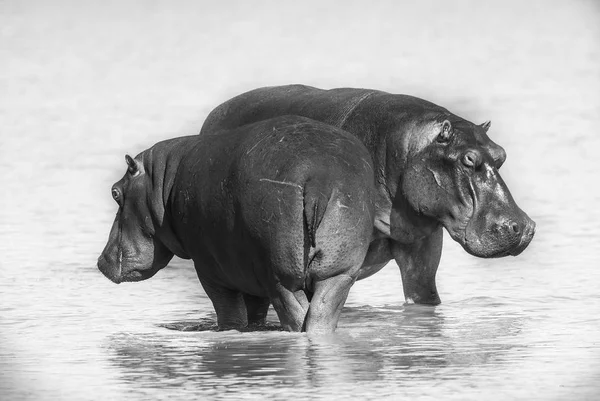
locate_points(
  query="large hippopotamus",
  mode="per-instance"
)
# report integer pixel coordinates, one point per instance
(280, 211)
(433, 169)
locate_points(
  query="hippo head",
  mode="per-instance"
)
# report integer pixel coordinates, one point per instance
(133, 251)
(453, 177)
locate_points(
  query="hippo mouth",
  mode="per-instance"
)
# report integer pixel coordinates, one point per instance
(497, 239)
(518, 249)
(113, 270)
(485, 244)
(136, 275)
(526, 238)
(117, 276)
(111, 259)
(514, 251)
(107, 268)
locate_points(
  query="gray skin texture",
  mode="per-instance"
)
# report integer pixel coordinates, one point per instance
(280, 211)
(433, 169)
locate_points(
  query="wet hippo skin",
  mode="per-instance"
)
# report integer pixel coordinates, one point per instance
(433, 169)
(280, 211)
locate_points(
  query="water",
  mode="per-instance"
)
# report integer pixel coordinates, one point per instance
(81, 85)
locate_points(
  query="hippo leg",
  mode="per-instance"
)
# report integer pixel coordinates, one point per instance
(229, 305)
(257, 308)
(291, 307)
(327, 303)
(418, 264)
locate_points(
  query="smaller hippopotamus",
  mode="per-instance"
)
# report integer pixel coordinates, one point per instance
(280, 211)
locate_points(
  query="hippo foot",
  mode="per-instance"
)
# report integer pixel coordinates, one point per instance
(202, 324)
(262, 327)
(420, 290)
(428, 296)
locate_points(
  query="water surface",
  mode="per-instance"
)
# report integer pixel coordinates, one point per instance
(81, 85)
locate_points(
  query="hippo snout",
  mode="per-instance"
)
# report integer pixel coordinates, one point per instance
(526, 230)
(510, 229)
(503, 236)
(109, 269)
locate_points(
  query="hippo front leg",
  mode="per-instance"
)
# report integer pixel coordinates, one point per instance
(257, 308)
(229, 305)
(418, 263)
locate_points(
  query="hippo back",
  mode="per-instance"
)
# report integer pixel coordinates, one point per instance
(365, 113)
(331, 107)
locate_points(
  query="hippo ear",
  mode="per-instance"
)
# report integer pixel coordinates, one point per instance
(132, 166)
(446, 126)
(486, 125)
(445, 132)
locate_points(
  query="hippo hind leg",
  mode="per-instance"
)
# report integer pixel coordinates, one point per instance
(257, 308)
(291, 307)
(327, 303)
(342, 242)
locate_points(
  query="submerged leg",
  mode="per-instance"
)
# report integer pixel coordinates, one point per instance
(257, 308)
(290, 306)
(229, 305)
(327, 303)
(418, 265)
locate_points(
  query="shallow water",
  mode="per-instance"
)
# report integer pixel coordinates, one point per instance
(82, 85)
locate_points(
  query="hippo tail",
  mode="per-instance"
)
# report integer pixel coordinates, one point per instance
(316, 198)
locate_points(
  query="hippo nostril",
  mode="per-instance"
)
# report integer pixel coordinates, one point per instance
(515, 227)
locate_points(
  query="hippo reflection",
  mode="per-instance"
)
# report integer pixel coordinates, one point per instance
(433, 169)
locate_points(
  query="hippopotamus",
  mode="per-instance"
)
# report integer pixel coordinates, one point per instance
(280, 211)
(433, 169)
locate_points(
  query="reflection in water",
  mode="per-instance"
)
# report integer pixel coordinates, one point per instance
(371, 345)
(208, 324)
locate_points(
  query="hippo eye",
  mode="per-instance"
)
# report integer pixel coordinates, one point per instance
(116, 194)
